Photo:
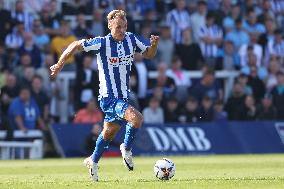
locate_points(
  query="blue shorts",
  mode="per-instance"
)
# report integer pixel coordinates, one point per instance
(113, 108)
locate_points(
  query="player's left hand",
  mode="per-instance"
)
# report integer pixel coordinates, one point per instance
(154, 40)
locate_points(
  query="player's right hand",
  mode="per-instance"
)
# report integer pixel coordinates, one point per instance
(54, 70)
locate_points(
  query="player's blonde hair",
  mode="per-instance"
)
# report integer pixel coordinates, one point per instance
(116, 14)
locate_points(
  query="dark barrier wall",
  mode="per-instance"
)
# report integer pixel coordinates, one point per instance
(174, 139)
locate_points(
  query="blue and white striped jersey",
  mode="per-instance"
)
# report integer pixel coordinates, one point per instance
(114, 59)
(214, 32)
(276, 48)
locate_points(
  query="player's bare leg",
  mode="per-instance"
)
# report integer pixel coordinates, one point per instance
(108, 133)
(134, 121)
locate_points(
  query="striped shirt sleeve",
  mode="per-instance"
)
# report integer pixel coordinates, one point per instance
(92, 44)
(141, 45)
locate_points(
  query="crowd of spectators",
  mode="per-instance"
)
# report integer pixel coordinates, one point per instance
(235, 35)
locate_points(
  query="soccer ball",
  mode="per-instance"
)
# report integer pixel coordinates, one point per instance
(164, 169)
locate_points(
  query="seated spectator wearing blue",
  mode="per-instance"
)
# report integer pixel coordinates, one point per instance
(208, 86)
(238, 36)
(251, 25)
(262, 72)
(229, 59)
(219, 113)
(24, 113)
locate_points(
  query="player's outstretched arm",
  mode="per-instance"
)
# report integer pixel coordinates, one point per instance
(55, 69)
(151, 51)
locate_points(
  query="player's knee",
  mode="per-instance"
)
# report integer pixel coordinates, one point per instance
(108, 134)
(137, 122)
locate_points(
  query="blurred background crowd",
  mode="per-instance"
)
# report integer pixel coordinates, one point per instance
(243, 36)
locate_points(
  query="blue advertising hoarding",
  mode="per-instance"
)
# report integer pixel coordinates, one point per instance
(182, 139)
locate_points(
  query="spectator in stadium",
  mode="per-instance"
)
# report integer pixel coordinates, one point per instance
(206, 111)
(89, 114)
(219, 113)
(34, 6)
(150, 19)
(5, 21)
(249, 112)
(44, 72)
(242, 79)
(97, 27)
(189, 53)
(232, 16)
(24, 113)
(26, 78)
(81, 30)
(225, 9)
(273, 68)
(256, 84)
(197, 19)
(20, 14)
(252, 62)
(236, 102)
(139, 79)
(32, 49)
(251, 25)
(40, 37)
(60, 42)
(270, 26)
(86, 83)
(166, 45)
(56, 96)
(25, 60)
(211, 37)
(163, 81)
(276, 44)
(171, 110)
(229, 60)
(39, 95)
(4, 65)
(50, 22)
(15, 39)
(159, 93)
(247, 51)
(73, 7)
(182, 81)
(207, 86)
(153, 113)
(278, 95)
(238, 36)
(8, 92)
(144, 5)
(278, 10)
(266, 11)
(189, 113)
(266, 110)
(178, 19)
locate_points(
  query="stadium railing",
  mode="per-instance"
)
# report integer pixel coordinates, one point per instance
(24, 145)
(65, 78)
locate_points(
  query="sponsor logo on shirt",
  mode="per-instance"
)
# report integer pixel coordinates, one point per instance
(119, 61)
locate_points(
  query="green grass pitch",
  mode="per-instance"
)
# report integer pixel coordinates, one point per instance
(222, 172)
